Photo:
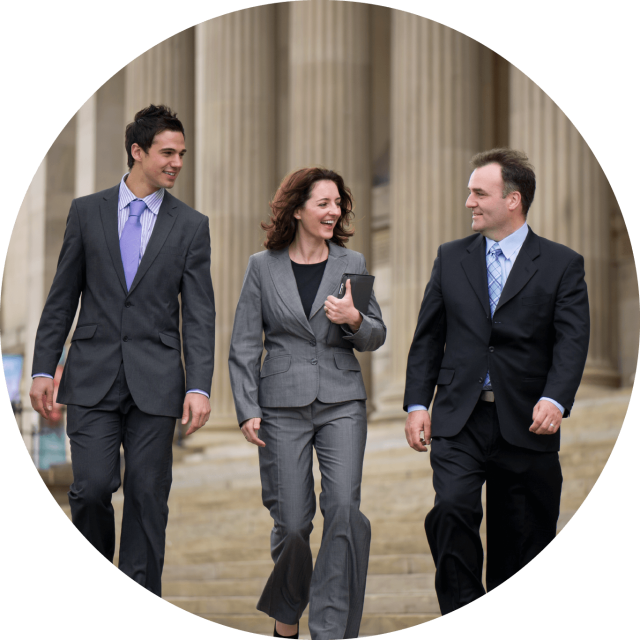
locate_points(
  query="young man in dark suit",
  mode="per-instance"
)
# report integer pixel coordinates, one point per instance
(130, 253)
(503, 332)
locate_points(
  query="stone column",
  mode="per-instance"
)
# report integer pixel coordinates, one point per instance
(571, 206)
(437, 118)
(100, 155)
(628, 314)
(330, 105)
(236, 162)
(165, 75)
(44, 211)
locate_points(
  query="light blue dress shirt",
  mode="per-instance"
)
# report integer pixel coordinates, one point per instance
(147, 220)
(510, 246)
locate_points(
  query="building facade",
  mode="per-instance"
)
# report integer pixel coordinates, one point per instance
(395, 103)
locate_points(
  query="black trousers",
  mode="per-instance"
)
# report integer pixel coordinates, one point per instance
(523, 505)
(96, 434)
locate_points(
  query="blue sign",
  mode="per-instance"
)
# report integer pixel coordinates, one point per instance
(51, 444)
(12, 365)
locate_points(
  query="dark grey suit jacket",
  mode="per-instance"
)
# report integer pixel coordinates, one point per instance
(299, 365)
(139, 327)
(535, 345)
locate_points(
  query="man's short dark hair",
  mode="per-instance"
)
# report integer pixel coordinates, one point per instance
(517, 172)
(146, 125)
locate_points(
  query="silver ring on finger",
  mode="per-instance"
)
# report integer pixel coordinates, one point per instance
(551, 425)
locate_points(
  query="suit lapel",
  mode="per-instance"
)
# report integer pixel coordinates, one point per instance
(475, 268)
(164, 223)
(285, 283)
(336, 265)
(522, 270)
(109, 215)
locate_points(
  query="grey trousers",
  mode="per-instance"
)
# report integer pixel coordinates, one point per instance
(335, 587)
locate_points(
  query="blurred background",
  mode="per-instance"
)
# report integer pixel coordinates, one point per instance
(398, 105)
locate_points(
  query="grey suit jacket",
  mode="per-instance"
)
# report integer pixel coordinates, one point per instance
(139, 326)
(299, 366)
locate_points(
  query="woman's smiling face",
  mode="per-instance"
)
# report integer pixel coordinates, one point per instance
(318, 218)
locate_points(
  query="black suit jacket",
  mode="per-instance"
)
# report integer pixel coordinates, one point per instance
(535, 345)
(139, 327)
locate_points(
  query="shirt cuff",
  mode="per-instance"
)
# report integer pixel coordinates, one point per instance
(416, 407)
(204, 393)
(554, 402)
(42, 375)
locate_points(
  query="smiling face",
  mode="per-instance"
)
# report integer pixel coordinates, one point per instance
(159, 168)
(493, 216)
(318, 217)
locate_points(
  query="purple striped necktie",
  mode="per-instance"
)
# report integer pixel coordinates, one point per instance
(130, 241)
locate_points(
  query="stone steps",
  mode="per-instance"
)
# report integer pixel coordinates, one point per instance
(372, 623)
(417, 602)
(218, 560)
(378, 565)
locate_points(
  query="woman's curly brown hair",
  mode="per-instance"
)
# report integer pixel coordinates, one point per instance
(292, 194)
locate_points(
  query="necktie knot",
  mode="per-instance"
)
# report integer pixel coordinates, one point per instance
(136, 207)
(495, 251)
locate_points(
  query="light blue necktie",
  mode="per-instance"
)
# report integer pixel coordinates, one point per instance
(130, 241)
(494, 280)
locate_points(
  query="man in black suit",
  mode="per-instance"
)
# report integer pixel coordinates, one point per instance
(503, 332)
(131, 253)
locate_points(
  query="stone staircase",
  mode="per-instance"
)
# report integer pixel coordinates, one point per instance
(218, 558)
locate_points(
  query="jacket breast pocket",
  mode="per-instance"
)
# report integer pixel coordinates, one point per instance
(278, 364)
(531, 301)
(84, 332)
(172, 250)
(346, 361)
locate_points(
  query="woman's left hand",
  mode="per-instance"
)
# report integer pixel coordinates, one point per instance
(342, 311)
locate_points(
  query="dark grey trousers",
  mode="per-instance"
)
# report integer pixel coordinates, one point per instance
(523, 505)
(335, 587)
(96, 434)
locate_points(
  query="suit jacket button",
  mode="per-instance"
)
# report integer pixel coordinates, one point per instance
(125, 339)
(312, 343)
(491, 349)
(127, 304)
(314, 362)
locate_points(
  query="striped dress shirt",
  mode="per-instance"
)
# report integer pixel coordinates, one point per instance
(148, 217)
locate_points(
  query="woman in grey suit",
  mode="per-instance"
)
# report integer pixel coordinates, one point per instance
(307, 394)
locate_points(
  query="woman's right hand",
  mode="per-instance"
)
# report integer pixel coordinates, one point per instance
(249, 428)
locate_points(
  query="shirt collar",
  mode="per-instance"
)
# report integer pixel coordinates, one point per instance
(512, 243)
(153, 200)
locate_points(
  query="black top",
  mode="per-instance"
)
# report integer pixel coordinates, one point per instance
(308, 278)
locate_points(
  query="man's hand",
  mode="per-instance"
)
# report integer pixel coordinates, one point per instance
(417, 422)
(342, 310)
(546, 418)
(41, 395)
(196, 406)
(249, 429)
